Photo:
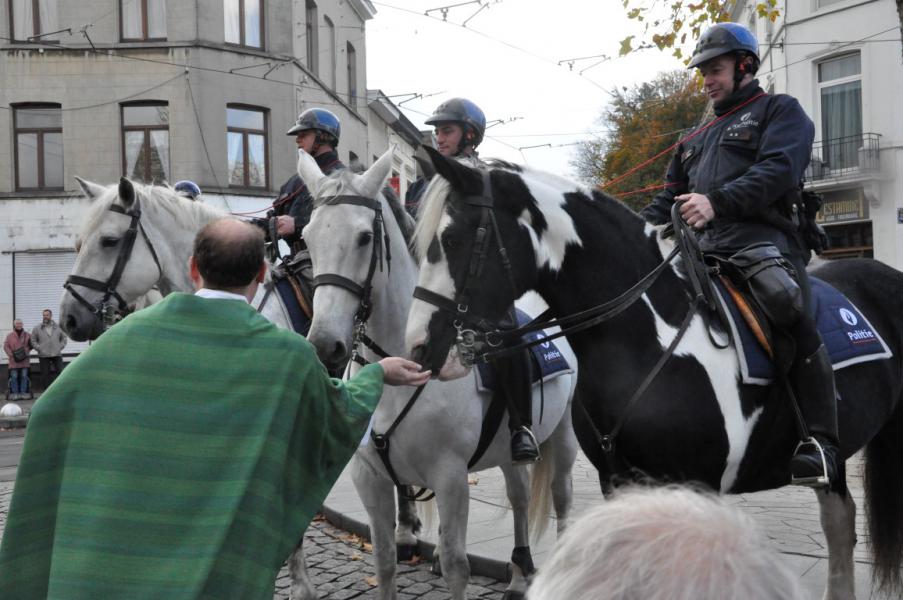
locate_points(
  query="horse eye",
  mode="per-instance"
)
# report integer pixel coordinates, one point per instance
(109, 242)
(364, 238)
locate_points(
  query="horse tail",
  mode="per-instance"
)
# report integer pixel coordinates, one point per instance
(883, 482)
(540, 494)
(428, 513)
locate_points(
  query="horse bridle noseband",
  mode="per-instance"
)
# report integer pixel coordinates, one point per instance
(363, 291)
(474, 332)
(104, 309)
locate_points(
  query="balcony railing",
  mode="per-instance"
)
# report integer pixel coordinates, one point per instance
(844, 157)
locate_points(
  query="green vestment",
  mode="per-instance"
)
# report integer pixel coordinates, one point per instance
(181, 456)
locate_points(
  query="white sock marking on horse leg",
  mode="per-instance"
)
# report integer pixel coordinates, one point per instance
(838, 521)
(721, 365)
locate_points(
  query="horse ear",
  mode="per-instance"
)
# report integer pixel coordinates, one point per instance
(373, 179)
(126, 192)
(309, 172)
(90, 189)
(454, 172)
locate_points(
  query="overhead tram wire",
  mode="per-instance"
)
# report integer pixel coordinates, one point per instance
(118, 100)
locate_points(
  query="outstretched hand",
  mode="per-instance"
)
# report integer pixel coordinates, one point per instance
(400, 371)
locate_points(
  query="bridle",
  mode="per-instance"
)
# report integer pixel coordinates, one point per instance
(474, 332)
(362, 291)
(104, 310)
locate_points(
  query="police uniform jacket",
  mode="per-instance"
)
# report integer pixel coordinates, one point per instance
(749, 164)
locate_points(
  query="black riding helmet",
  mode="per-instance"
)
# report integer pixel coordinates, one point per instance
(727, 38)
(464, 112)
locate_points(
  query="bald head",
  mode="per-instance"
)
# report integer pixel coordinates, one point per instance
(228, 254)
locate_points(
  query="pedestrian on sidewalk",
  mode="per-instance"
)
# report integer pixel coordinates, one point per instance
(664, 543)
(17, 347)
(49, 340)
(158, 466)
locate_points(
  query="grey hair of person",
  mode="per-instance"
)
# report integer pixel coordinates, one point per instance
(664, 543)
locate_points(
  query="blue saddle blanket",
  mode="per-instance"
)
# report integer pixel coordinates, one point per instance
(848, 336)
(300, 322)
(548, 362)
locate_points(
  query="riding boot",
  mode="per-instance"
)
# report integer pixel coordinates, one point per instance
(815, 461)
(524, 447)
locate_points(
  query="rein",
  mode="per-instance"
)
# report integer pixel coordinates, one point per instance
(104, 309)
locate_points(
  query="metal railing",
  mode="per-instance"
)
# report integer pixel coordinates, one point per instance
(844, 157)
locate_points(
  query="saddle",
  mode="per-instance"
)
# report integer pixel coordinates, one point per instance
(293, 280)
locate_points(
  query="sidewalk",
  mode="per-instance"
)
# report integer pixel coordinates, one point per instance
(789, 517)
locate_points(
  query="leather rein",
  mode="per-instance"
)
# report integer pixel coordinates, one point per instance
(104, 310)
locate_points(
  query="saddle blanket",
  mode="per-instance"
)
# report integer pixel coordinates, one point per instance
(548, 362)
(847, 334)
(300, 321)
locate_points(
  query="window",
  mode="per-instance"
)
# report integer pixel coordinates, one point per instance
(244, 22)
(330, 57)
(145, 141)
(143, 19)
(39, 146)
(311, 28)
(31, 18)
(247, 142)
(840, 87)
(352, 74)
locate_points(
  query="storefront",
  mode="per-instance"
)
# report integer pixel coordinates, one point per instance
(845, 217)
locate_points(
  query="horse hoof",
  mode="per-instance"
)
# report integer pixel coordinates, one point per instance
(512, 595)
(405, 552)
(436, 569)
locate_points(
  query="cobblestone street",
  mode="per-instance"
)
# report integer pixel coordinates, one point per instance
(341, 567)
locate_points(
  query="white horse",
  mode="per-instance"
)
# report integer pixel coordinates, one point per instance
(156, 263)
(435, 440)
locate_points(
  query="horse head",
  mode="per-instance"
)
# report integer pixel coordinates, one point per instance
(116, 262)
(476, 240)
(348, 248)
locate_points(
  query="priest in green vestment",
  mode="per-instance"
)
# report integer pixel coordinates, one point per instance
(185, 452)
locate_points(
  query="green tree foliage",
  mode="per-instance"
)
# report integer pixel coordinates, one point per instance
(640, 123)
(684, 21)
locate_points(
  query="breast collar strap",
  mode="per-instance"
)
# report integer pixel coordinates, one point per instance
(103, 308)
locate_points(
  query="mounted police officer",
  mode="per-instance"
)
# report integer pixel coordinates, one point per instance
(738, 181)
(459, 128)
(459, 125)
(317, 131)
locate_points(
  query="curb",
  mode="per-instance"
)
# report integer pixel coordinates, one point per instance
(479, 565)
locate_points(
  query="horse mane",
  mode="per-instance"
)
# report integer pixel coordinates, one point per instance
(153, 198)
(430, 212)
(334, 185)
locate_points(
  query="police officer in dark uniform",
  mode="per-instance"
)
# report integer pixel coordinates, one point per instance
(737, 181)
(459, 127)
(317, 132)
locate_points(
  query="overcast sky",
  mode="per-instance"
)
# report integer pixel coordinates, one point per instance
(506, 60)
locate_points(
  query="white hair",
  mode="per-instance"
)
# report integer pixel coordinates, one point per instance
(664, 543)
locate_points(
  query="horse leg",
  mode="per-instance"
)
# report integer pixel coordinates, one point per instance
(453, 500)
(838, 521)
(376, 494)
(563, 446)
(517, 486)
(302, 587)
(408, 526)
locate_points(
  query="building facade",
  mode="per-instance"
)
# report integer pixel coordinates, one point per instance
(159, 91)
(843, 60)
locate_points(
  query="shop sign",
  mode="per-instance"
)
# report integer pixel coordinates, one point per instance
(843, 205)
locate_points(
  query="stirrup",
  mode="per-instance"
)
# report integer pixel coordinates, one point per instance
(528, 461)
(817, 480)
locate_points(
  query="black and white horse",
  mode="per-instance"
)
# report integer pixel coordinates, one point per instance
(696, 421)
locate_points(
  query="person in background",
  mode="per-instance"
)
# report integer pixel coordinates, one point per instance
(187, 188)
(49, 340)
(17, 346)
